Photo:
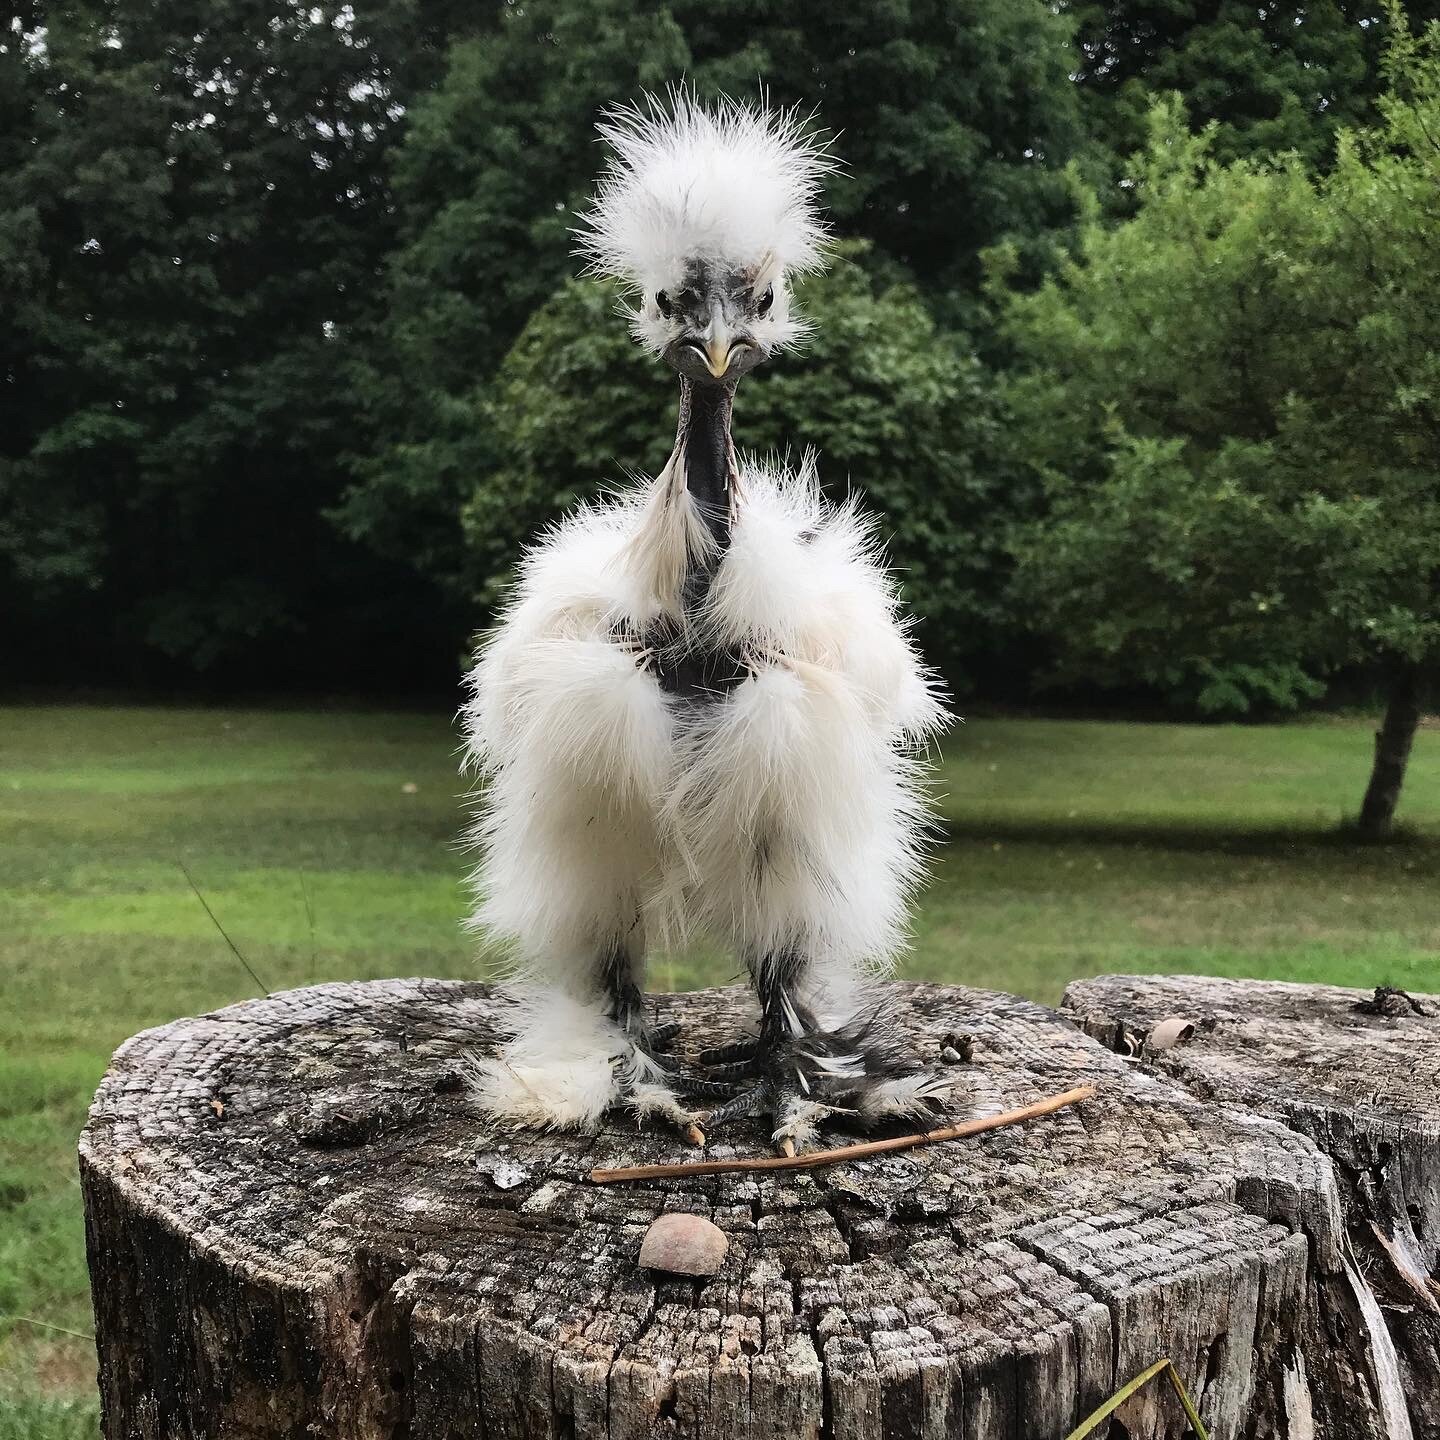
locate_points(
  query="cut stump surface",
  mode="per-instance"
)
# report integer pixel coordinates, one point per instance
(298, 1226)
(1355, 1071)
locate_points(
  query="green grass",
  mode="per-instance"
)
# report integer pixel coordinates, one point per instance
(1075, 847)
(39, 1417)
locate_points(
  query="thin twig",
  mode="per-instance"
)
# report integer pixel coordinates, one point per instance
(46, 1325)
(310, 920)
(234, 948)
(862, 1151)
(1165, 1366)
(1110, 1406)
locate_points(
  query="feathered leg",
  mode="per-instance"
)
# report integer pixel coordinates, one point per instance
(573, 1058)
(806, 1069)
(563, 875)
(645, 1078)
(806, 834)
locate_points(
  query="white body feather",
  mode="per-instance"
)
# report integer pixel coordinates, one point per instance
(789, 813)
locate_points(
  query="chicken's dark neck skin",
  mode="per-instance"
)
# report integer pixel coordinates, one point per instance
(703, 444)
(703, 440)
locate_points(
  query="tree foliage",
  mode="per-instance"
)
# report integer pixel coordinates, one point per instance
(193, 215)
(1272, 79)
(291, 355)
(1232, 398)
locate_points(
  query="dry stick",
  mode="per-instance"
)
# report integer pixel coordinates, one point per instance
(846, 1152)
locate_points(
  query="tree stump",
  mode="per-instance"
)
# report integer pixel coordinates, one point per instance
(298, 1226)
(1359, 1074)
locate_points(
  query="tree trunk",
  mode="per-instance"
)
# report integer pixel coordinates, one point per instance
(298, 1226)
(1353, 1072)
(1392, 753)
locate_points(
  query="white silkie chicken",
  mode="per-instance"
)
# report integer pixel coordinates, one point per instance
(700, 712)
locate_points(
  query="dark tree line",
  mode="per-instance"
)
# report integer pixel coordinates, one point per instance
(291, 355)
(196, 214)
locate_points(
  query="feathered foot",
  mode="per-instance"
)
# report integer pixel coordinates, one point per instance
(804, 1075)
(569, 1064)
(647, 1088)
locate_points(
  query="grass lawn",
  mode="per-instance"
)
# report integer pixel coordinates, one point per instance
(326, 845)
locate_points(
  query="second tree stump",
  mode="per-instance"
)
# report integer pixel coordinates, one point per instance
(1357, 1072)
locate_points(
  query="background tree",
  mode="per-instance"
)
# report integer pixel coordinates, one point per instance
(1232, 400)
(1271, 78)
(194, 216)
(1386, 196)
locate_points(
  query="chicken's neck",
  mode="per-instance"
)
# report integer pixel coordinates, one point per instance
(704, 445)
(701, 672)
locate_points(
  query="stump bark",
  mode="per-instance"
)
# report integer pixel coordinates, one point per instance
(1356, 1072)
(298, 1226)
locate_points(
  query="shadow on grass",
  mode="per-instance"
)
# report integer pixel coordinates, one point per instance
(1260, 840)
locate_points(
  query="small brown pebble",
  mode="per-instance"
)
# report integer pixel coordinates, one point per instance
(683, 1245)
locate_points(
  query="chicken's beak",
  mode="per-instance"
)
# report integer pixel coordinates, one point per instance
(715, 339)
(719, 344)
(717, 354)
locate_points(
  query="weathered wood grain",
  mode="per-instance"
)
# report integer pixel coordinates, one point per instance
(298, 1226)
(1359, 1074)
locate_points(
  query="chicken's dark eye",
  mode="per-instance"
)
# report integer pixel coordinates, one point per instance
(762, 306)
(663, 305)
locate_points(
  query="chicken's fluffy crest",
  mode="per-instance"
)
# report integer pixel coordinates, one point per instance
(731, 183)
